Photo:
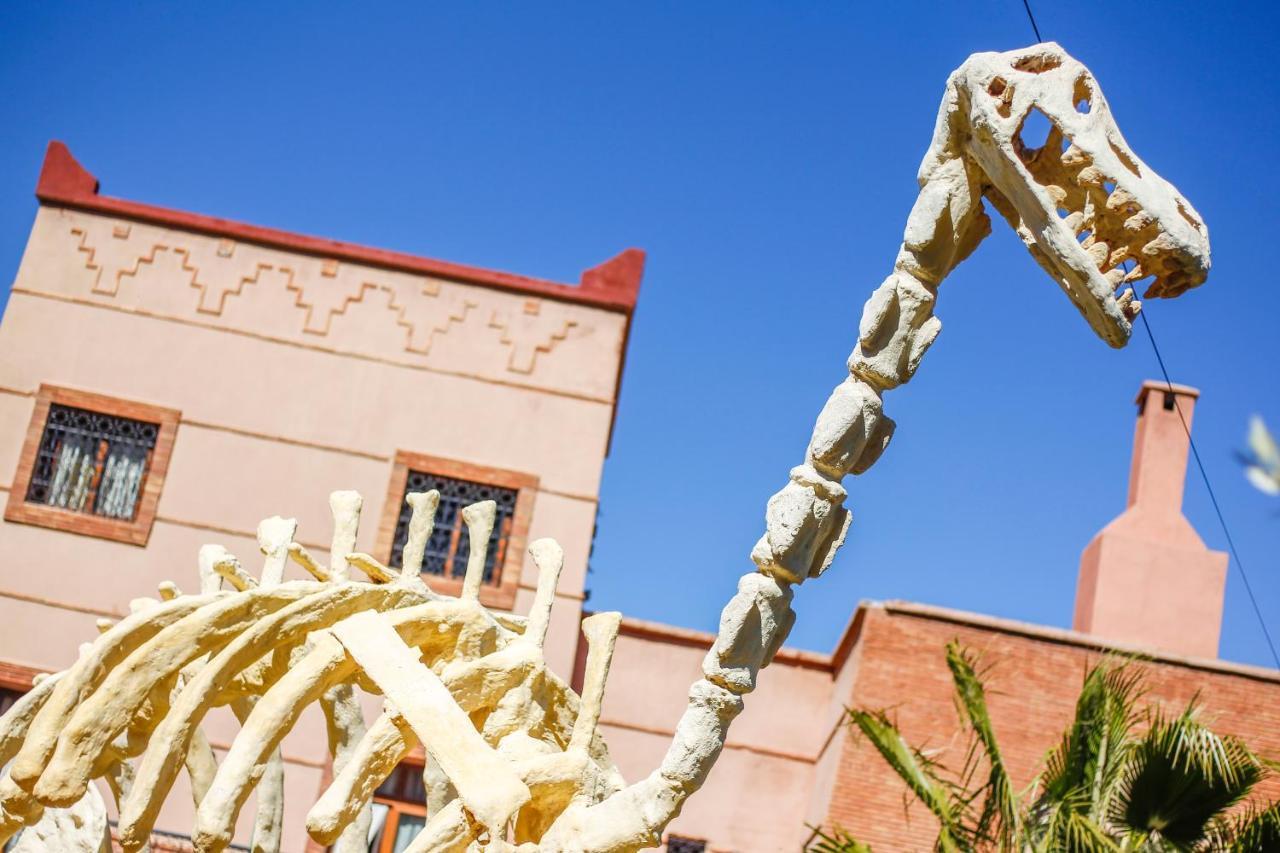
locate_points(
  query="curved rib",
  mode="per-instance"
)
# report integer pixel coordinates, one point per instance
(286, 627)
(111, 708)
(84, 676)
(324, 667)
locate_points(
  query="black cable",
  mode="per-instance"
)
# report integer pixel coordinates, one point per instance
(1212, 497)
(1027, 5)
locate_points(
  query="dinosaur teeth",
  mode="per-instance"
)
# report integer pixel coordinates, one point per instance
(1118, 199)
(1162, 243)
(1057, 193)
(1117, 256)
(1074, 157)
(1138, 221)
(1135, 274)
(1075, 222)
(1090, 176)
(1115, 277)
(1098, 251)
(1128, 306)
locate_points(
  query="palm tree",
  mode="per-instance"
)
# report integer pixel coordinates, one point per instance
(1119, 780)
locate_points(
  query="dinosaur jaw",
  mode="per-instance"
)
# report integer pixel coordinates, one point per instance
(1093, 215)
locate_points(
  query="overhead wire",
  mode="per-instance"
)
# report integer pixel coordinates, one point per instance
(1195, 451)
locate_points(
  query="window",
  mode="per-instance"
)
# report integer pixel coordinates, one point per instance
(399, 813)
(93, 465)
(449, 545)
(679, 844)
(9, 696)
(460, 484)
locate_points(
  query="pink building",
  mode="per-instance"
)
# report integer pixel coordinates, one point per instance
(168, 379)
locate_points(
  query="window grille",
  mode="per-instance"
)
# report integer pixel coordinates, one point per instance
(9, 697)
(449, 545)
(92, 463)
(404, 783)
(678, 844)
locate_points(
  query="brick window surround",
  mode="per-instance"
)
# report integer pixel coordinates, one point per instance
(133, 531)
(500, 591)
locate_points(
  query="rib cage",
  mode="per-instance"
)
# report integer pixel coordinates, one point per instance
(132, 703)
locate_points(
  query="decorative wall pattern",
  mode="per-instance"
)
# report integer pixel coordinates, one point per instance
(331, 304)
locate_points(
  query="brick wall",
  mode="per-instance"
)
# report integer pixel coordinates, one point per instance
(1034, 678)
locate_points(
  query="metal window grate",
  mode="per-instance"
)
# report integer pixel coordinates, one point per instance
(92, 463)
(449, 545)
(679, 844)
(404, 784)
(9, 697)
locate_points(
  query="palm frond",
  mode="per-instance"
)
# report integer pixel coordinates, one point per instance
(921, 776)
(1067, 828)
(838, 840)
(999, 819)
(1182, 777)
(1087, 765)
(1255, 831)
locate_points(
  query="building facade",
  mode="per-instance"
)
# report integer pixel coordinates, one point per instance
(168, 379)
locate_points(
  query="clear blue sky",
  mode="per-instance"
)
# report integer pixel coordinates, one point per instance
(764, 154)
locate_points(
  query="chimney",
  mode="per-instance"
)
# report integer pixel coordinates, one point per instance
(1147, 579)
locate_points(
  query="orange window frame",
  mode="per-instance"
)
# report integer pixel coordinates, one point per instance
(134, 532)
(396, 808)
(501, 594)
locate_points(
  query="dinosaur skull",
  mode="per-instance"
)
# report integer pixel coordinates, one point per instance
(1085, 205)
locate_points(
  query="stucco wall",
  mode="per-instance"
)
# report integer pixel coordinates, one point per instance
(295, 375)
(757, 796)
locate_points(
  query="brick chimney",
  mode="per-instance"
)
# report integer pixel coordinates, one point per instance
(1147, 578)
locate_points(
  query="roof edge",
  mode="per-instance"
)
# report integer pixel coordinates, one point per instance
(662, 632)
(613, 285)
(1073, 638)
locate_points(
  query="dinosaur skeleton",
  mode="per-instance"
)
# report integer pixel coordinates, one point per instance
(514, 759)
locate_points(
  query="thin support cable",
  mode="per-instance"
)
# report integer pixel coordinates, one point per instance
(1213, 498)
(1235, 555)
(1026, 4)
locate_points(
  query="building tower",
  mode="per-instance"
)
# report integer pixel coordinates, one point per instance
(1147, 578)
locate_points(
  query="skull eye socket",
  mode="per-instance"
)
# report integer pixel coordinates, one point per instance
(1000, 89)
(1082, 97)
(1037, 63)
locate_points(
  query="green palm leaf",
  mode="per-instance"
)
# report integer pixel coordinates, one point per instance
(1256, 831)
(1182, 777)
(837, 841)
(1083, 771)
(999, 820)
(1069, 830)
(920, 774)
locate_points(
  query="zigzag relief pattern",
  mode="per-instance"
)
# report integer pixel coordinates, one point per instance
(214, 301)
(424, 308)
(531, 333)
(150, 259)
(88, 251)
(450, 310)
